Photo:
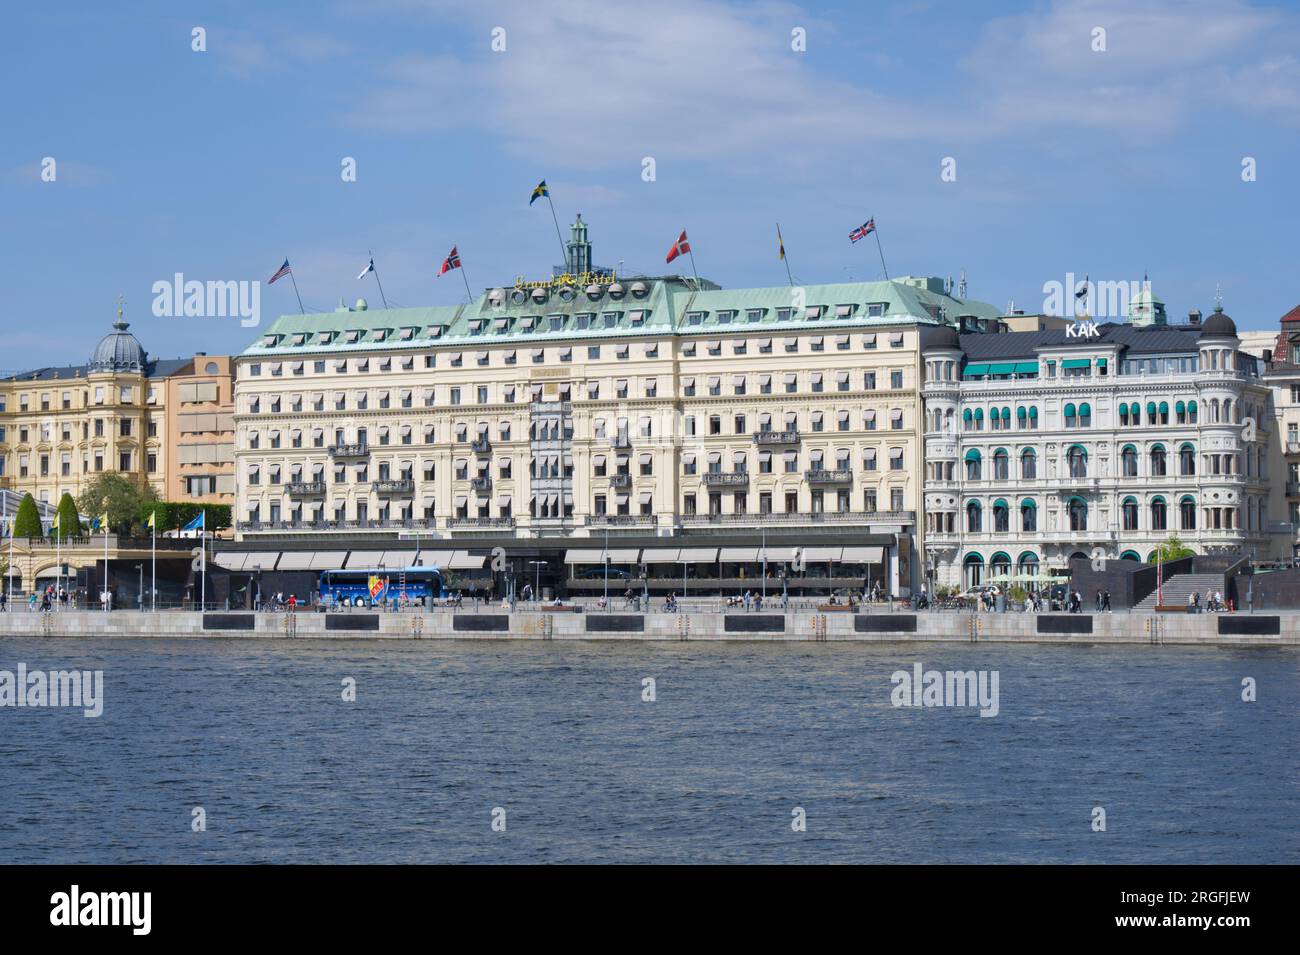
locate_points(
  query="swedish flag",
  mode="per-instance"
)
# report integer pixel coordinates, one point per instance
(540, 191)
(152, 525)
(103, 522)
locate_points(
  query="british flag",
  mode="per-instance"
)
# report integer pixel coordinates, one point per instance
(280, 273)
(452, 261)
(864, 230)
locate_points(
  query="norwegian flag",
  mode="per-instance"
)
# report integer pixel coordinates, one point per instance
(864, 230)
(679, 247)
(452, 261)
(280, 273)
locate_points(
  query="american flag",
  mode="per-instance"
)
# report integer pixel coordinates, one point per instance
(864, 230)
(280, 273)
(452, 261)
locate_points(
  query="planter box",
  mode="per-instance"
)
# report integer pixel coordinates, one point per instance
(1171, 608)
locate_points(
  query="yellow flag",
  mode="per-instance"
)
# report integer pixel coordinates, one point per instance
(103, 522)
(55, 525)
(152, 515)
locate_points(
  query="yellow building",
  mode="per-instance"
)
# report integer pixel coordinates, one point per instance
(201, 431)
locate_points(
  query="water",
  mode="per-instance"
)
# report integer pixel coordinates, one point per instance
(556, 733)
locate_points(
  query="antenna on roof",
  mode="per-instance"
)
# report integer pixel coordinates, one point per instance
(1218, 297)
(961, 285)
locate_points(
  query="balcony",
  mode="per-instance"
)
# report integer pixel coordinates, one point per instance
(620, 520)
(721, 479)
(776, 437)
(1293, 447)
(620, 442)
(826, 476)
(399, 486)
(1293, 488)
(480, 523)
(620, 480)
(480, 484)
(348, 450)
(752, 520)
(481, 446)
(305, 488)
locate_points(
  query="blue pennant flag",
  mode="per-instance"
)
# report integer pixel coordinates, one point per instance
(199, 523)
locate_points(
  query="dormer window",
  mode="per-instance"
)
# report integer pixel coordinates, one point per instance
(812, 312)
(783, 314)
(694, 318)
(754, 314)
(611, 319)
(352, 336)
(725, 316)
(875, 309)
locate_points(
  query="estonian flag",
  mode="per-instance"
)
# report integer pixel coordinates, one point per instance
(367, 270)
(540, 191)
(199, 523)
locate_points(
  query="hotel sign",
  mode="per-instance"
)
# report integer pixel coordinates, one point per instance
(1085, 329)
(568, 279)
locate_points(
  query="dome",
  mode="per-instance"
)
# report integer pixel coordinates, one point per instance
(935, 337)
(1219, 324)
(119, 350)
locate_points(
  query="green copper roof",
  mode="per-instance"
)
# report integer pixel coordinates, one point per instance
(628, 307)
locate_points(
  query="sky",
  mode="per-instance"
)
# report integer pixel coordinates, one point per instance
(1164, 145)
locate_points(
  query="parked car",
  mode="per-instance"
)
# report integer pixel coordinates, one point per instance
(598, 573)
(975, 594)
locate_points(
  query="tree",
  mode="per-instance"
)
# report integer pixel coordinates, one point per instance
(120, 497)
(1173, 549)
(69, 521)
(27, 522)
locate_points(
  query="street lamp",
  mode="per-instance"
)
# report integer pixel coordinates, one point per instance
(140, 569)
(537, 578)
(604, 555)
(763, 530)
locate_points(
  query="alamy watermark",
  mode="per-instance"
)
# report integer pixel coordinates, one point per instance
(179, 298)
(1096, 299)
(63, 688)
(923, 687)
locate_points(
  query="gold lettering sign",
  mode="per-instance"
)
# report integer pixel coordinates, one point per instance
(567, 279)
(550, 373)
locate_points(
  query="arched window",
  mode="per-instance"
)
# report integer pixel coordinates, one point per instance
(1180, 412)
(1028, 515)
(1164, 412)
(1022, 417)
(974, 565)
(1076, 460)
(1214, 410)
(1159, 514)
(1078, 514)
(1129, 510)
(1000, 564)
(1151, 412)
(1128, 461)
(1131, 555)
(967, 417)
(1187, 513)
(1123, 414)
(1158, 468)
(1028, 464)
(1027, 564)
(1001, 517)
(1191, 412)
(1071, 416)
(1187, 459)
(979, 419)
(1085, 415)
(974, 465)
(1001, 465)
(974, 517)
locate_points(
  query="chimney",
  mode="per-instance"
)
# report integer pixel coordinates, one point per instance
(1268, 356)
(1194, 317)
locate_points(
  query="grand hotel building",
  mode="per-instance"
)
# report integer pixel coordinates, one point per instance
(680, 422)
(1049, 445)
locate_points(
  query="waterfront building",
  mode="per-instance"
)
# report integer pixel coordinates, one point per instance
(200, 446)
(693, 427)
(1282, 373)
(1091, 441)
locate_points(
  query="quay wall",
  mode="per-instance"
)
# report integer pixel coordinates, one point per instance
(1259, 629)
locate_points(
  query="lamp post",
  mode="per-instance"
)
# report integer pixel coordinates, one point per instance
(140, 569)
(537, 578)
(257, 595)
(763, 530)
(604, 556)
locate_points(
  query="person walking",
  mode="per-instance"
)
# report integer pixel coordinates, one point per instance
(1105, 601)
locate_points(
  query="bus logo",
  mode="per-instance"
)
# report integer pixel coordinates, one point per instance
(377, 586)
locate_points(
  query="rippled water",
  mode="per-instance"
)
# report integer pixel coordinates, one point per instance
(557, 734)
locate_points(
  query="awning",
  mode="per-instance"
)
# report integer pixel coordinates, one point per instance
(264, 559)
(295, 560)
(1026, 368)
(1003, 368)
(582, 556)
(328, 559)
(863, 555)
(659, 555)
(463, 560)
(623, 555)
(822, 553)
(365, 558)
(738, 554)
(1076, 363)
(435, 558)
(698, 554)
(227, 561)
(645, 497)
(776, 554)
(974, 371)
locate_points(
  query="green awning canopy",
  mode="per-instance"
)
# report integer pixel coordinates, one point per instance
(1000, 502)
(1003, 368)
(975, 371)
(1021, 412)
(1026, 368)
(972, 455)
(1180, 407)
(1102, 362)
(1033, 412)
(1076, 363)
(1028, 502)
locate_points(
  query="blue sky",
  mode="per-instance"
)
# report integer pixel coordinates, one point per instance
(219, 164)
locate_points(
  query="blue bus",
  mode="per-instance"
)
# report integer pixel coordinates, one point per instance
(351, 588)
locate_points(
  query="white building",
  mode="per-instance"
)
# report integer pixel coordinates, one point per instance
(1090, 441)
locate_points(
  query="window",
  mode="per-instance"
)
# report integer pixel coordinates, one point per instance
(974, 517)
(1077, 464)
(1078, 509)
(1129, 514)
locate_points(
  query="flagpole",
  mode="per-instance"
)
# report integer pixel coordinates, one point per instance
(58, 560)
(153, 563)
(467, 291)
(784, 258)
(564, 253)
(882, 253)
(382, 297)
(691, 253)
(203, 547)
(295, 291)
(105, 602)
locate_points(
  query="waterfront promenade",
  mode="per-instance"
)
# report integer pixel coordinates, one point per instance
(545, 623)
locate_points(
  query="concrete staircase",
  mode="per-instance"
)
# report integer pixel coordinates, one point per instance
(1178, 588)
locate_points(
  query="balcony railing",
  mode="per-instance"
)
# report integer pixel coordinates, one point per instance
(480, 484)
(620, 520)
(620, 480)
(776, 437)
(349, 450)
(801, 517)
(722, 479)
(480, 446)
(620, 442)
(305, 488)
(479, 522)
(827, 476)
(399, 486)
(409, 523)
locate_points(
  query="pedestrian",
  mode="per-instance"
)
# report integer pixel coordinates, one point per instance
(1105, 601)
(1098, 603)
(1191, 602)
